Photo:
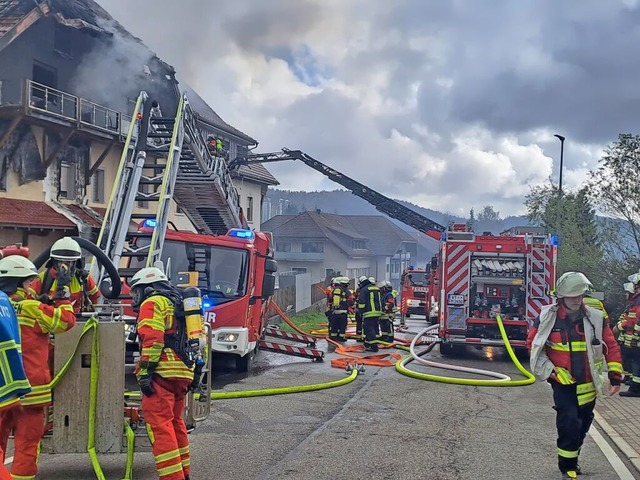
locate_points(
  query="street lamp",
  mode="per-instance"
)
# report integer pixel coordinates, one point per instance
(561, 138)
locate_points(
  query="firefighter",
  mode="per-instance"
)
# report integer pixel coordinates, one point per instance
(328, 291)
(341, 300)
(388, 311)
(14, 383)
(620, 330)
(163, 377)
(630, 326)
(212, 145)
(37, 321)
(567, 345)
(358, 313)
(370, 306)
(65, 264)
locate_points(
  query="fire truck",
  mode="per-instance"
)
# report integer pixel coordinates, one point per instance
(479, 276)
(413, 296)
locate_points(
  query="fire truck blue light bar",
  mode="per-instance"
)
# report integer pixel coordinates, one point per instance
(246, 234)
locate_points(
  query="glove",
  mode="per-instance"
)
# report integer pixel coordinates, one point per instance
(146, 385)
(63, 293)
(44, 298)
(562, 376)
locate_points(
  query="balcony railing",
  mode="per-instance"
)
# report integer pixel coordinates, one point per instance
(50, 101)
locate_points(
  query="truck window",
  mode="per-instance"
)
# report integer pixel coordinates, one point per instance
(222, 271)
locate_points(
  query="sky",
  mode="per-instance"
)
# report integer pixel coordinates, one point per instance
(448, 104)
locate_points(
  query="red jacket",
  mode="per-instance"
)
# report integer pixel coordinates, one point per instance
(37, 320)
(75, 288)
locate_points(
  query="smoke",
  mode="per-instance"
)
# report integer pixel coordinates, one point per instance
(112, 72)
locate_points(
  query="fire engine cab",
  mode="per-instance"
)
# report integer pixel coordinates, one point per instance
(483, 275)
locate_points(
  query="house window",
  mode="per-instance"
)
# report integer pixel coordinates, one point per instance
(312, 247)
(67, 180)
(283, 246)
(63, 40)
(97, 186)
(297, 270)
(4, 172)
(358, 244)
(45, 75)
(249, 209)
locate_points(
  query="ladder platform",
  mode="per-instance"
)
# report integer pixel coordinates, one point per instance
(312, 353)
(296, 337)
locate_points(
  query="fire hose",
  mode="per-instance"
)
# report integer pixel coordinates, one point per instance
(502, 380)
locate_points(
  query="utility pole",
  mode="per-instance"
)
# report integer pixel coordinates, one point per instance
(561, 138)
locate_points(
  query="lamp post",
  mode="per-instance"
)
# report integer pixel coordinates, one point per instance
(561, 138)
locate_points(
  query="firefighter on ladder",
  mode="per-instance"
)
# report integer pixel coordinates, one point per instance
(341, 300)
(65, 263)
(388, 311)
(163, 377)
(37, 321)
(370, 306)
(569, 344)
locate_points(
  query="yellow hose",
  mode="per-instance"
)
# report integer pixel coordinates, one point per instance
(530, 378)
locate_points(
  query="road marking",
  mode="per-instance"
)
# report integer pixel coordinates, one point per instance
(8, 460)
(615, 461)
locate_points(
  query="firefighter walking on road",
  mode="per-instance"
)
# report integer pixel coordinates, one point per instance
(370, 306)
(37, 321)
(388, 311)
(569, 344)
(163, 376)
(341, 300)
(65, 264)
(629, 327)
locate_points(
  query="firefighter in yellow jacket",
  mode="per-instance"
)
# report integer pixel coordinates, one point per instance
(163, 377)
(37, 321)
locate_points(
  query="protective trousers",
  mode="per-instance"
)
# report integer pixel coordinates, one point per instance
(358, 325)
(27, 424)
(572, 422)
(386, 329)
(371, 333)
(634, 355)
(165, 425)
(338, 326)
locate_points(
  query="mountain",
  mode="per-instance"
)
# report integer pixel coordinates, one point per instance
(343, 202)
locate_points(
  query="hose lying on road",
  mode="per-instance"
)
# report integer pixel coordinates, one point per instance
(502, 380)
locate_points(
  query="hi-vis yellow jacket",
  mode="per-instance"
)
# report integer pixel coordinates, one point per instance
(155, 320)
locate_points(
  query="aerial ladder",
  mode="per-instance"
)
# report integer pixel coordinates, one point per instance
(382, 203)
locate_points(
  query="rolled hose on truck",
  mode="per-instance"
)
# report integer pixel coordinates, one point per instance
(110, 289)
(502, 380)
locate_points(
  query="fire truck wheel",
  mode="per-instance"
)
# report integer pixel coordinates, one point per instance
(447, 349)
(243, 364)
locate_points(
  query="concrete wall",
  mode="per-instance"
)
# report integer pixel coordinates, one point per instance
(253, 190)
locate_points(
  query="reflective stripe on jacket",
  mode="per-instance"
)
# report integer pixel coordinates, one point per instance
(13, 379)
(542, 365)
(75, 289)
(155, 320)
(37, 320)
(370, 301)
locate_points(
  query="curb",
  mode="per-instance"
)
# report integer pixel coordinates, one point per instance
(621, 443)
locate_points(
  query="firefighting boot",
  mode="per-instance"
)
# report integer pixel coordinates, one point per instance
(569, 474)
(630, 393)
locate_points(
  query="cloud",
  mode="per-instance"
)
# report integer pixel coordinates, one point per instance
(449, 105)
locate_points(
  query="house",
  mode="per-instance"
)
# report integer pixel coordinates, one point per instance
(69, 78)
(354, 245)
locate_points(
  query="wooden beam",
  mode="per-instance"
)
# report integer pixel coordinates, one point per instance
(101, 158)
(14, 124)
(58, 149)
(29, 19)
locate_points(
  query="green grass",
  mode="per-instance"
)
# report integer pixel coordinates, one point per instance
(306, 322)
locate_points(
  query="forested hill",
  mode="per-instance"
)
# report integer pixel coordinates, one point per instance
(343, 202)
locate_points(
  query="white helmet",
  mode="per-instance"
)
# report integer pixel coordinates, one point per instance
(630, 287)
(361, 279)
(66, 249)
(17, 266)
(372, 279)
(147, 276)
(572, 284)
(634, 278)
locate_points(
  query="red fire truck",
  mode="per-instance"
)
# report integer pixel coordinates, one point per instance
(483, 275)
(236, 275)
(413, 297)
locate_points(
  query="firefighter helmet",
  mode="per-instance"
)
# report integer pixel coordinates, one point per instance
(17, 266)
(372, 279)
(66, 250)
(343, 280)
(630, 287)
(148, 276)
(634, 278)
(572, 284)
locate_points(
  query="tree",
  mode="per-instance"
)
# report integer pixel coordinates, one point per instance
(572, 217)
(472, 217)
(488, 214)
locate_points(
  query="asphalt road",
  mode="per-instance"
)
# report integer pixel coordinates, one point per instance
(383, 425)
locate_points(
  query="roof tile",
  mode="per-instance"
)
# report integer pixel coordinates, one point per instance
(31, 214)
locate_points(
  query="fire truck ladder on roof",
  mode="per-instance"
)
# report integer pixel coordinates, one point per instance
(383, 204)
(166, 158)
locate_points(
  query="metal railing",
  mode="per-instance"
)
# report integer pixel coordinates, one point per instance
(57, 103)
